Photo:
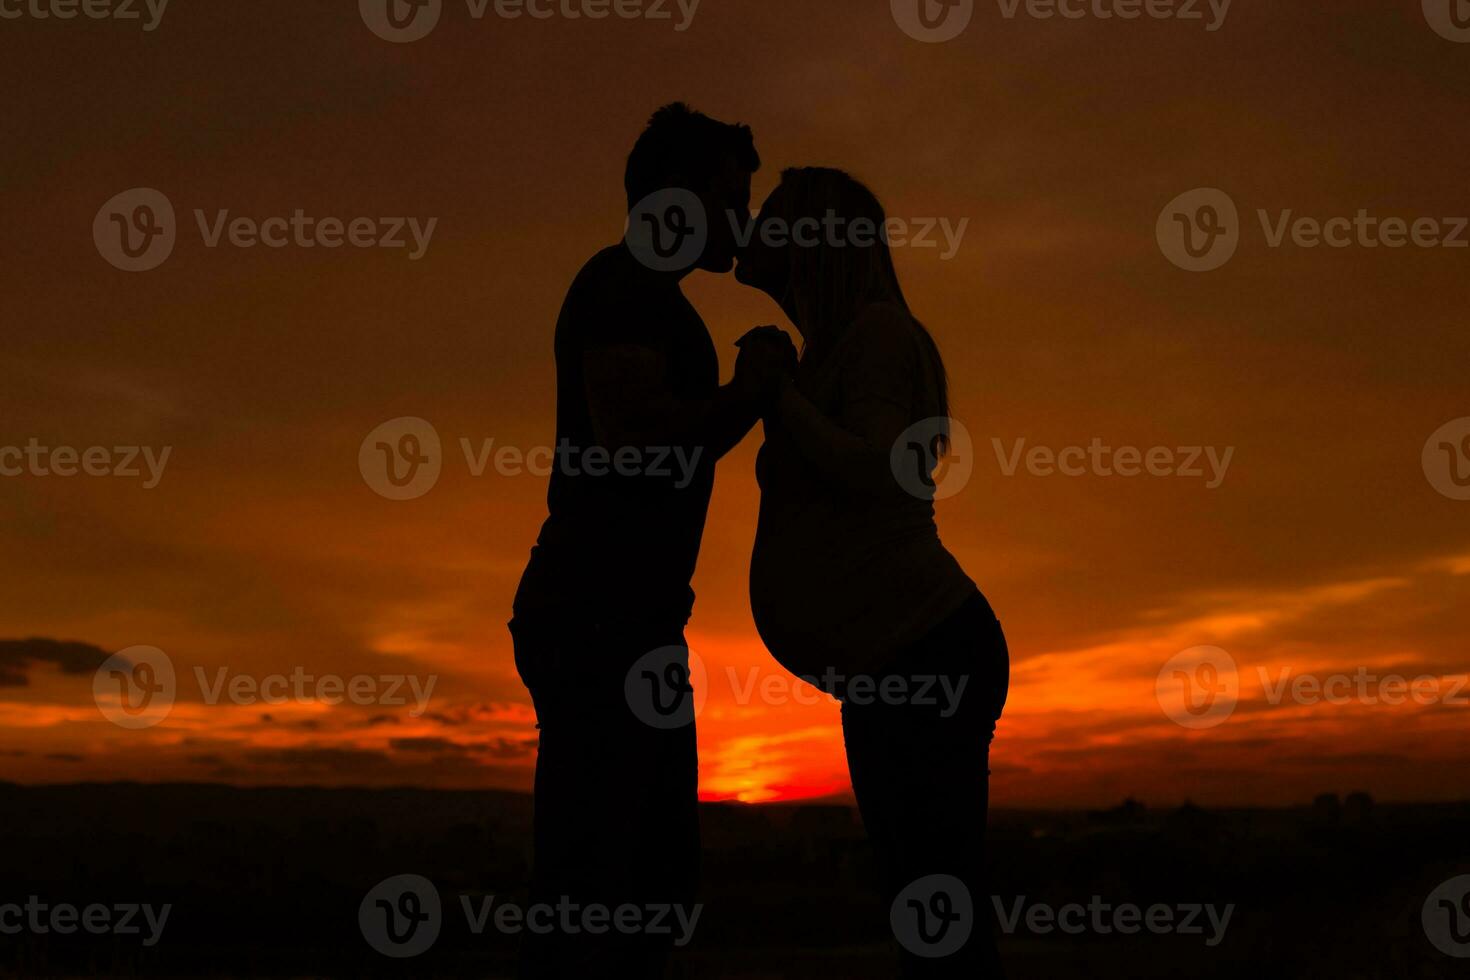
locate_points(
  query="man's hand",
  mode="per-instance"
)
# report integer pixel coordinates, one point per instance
(767, 359)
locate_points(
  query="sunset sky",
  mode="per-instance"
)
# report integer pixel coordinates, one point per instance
(1324, 549)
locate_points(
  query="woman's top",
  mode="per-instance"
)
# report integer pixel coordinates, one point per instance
(848, 568)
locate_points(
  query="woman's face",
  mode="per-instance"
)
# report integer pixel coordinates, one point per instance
(764, 262)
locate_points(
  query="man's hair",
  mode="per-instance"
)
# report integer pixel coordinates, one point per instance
(685, 148)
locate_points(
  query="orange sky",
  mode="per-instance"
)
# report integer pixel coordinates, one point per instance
(1324, 550)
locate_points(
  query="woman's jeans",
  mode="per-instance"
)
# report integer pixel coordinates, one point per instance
(919, 762)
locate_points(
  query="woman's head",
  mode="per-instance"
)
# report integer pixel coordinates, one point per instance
(820, 249)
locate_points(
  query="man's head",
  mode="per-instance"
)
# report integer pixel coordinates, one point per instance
(688, 150)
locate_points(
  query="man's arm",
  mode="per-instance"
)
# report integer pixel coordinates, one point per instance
(632, 404)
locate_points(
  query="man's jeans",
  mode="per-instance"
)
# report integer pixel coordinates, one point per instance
(616, 818)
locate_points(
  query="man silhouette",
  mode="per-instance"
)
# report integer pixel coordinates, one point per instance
(641, 420)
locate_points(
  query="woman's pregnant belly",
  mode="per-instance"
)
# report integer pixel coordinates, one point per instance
(846, 597)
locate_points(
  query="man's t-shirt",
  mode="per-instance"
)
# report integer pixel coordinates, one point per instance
(623, 532)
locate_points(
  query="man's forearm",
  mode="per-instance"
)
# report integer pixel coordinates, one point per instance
(730, 417)
(713, 426)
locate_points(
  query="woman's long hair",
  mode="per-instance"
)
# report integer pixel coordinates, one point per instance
(831, 281)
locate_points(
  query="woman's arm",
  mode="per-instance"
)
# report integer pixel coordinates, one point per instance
(881, 373)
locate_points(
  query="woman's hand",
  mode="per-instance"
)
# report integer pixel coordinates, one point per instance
(767, 360)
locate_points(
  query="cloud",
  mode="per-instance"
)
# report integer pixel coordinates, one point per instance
(317, 759)
(436, 745)
(500, 748)
(18, 656)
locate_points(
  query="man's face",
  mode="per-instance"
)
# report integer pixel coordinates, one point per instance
(762, 264)
(727, 210)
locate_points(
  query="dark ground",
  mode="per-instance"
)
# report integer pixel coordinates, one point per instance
(267, 883)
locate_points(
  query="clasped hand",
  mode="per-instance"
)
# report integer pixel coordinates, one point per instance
(767, 359)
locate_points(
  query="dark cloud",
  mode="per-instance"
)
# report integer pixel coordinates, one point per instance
(313, 758)
(500, 748)
(1345, 760)
(512, 748)
(434, 745)
(304, 724)
(18, 656)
